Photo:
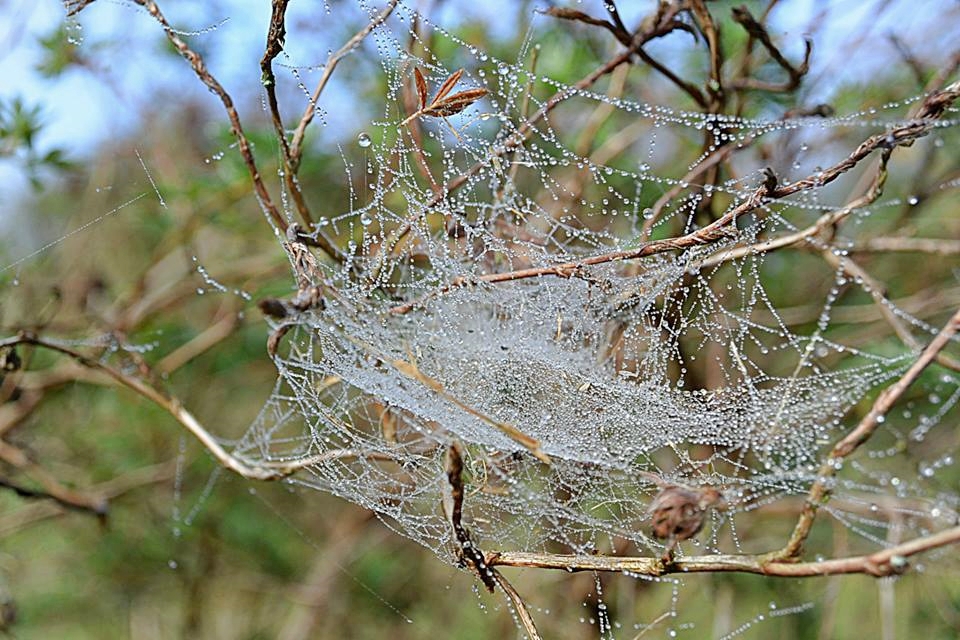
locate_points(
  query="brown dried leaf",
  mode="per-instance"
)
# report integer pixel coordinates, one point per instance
(577, 16)
(454, 104)
(421, 87)
(388, 424)
(447, 86)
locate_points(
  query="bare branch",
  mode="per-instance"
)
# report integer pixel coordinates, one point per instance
(890, 561)
(200, 69)
(172, 406)
(723, 227)
(756, 30)
(821, 488)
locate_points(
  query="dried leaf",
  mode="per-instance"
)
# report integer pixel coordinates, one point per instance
(388, 424)
(577, 16)
(442, 105)
(447, 86)
(454, 104)
(421, 87)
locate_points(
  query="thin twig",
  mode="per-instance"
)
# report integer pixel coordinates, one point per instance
(107, 490)
(172, 406)
(821, 489)
(275, 41)
(296, 142)
(67, 498)
(724, 226)
(200, 69)
(469, 553)
(878, 292)
(523, 613)
(757, 31)
(938, 246)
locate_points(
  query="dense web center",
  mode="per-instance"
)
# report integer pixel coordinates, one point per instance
(492, 296)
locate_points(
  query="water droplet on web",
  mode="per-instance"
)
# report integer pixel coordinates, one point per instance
(364, 140)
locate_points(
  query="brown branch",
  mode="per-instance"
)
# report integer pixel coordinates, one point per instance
(887, 562)
(757, 31)
(624, 37)
(296, 142)
(820, 490)
(826, 221)
(937, 246)
(688, 87)
(523, 613)
(52, 490)
(922, 303)
(469, 553)
(200, 69)
(74, 7)
(108, 490)
(275, 41)
(663, 25)
(724, 226)
(171, 405)
(276, 34)
(710, 32)
(292, 151)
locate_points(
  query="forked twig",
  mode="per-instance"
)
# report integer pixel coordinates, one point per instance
(757, 31)
(821, 489)
(292, 149)
(470, 555)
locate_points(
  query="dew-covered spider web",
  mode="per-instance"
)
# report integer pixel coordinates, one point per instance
(491, 292)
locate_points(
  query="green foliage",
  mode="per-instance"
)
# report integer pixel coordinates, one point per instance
(20, 126)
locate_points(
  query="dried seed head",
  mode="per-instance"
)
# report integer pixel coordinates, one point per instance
(679, 512)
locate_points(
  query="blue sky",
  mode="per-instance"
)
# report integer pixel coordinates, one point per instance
(82, 111)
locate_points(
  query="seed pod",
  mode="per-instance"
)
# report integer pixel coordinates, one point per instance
(678, 511)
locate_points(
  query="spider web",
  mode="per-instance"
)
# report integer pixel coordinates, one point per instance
(699, 365)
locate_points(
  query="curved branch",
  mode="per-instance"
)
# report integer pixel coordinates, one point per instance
(821, 489)
(247, 469)
(200, 69)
